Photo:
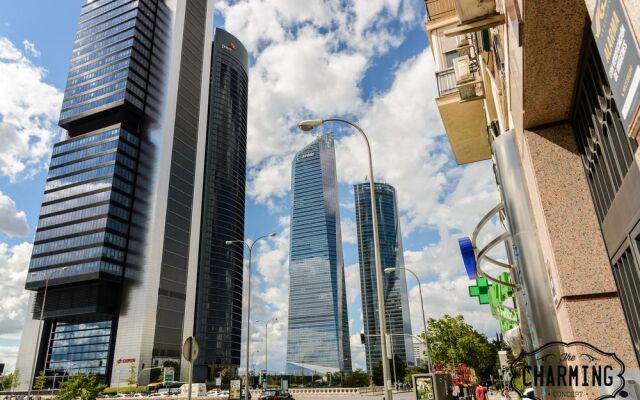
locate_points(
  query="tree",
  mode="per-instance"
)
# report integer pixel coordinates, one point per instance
(40, 382)
(8, 381)
(357, 378)
(225, 378)
(408, 375)
(453, 341)
(133, 375)
(80, 386)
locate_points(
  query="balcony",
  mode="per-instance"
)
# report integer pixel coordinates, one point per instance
(437, 9)
(446, 81)
(463, 117)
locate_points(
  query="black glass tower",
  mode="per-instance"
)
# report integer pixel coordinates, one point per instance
(396, 302)
(110, 261)
(218, 316)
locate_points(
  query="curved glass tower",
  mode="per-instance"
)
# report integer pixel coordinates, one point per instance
(218, 313)
(318, 337)
(396, 302)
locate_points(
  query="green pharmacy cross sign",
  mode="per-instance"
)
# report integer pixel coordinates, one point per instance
(480, 290)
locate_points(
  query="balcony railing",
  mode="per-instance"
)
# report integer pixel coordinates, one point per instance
(439, 9)
(446, 81)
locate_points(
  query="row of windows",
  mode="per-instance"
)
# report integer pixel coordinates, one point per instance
(74, 270)
(110, 157)
(79, 78)
(107, 15)
(94, 150)
(77, 241)
(86, 14)
(77, 202)
(68, 327)
(86, 226)
(74, 256)
(90, 86)
(105, 56)
(75, 143)
(79, 336)
(76, 190)
(77, 178)
(87, 348)
(79, 341)
(96, 93)
(83, 214)
(79, 356)
(97, 39)
(105, 25)
(95, 104)
(105, 43)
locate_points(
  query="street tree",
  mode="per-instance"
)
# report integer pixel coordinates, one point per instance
(40, 381)
(453, 341)
(357, 378)
(225, 378)
(80, 386)
(132, 379)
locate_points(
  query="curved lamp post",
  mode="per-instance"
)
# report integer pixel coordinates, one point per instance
(386, 373)
(424, 319)
(249, 245)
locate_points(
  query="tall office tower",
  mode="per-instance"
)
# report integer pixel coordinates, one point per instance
(396, 302)
(218, 314)
(318, 340)
(111, 256)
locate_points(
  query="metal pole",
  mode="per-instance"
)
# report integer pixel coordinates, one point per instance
(379, 274)
(246, 385)
(35, 352)
(190, 371)
(424, 319)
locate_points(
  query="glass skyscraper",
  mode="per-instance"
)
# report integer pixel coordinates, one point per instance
(218, 318)
(318, 336)
(396, 302)
(114, 252)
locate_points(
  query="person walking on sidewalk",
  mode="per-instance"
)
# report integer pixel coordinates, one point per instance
(505, 394)
(481, 393)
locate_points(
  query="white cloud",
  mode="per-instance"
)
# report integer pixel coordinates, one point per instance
(30, 48)
(352, 282)
(12, 221)
(29, 110)
(348, 231)
(14, 261)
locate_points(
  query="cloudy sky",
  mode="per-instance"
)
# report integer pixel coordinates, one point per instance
(368, 61)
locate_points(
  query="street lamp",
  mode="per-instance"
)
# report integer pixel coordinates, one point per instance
(386, 373)
(424, 319)
(249, 245)
(266, 344)
(38, 338)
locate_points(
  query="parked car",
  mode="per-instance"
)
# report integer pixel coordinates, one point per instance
(285, 395)
(269, 394)
(139, 395)
(223, 393)
(213, 392)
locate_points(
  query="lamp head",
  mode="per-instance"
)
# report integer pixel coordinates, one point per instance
(389, 270)
(310, 124)
(228, 242)
(272, 234)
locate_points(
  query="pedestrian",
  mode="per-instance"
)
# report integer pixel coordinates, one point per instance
(505, 394)
(455, 392)
(481, 392)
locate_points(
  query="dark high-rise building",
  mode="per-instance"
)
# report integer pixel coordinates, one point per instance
(113, 254)
(396, 302)
(318, 337)
(218, 318)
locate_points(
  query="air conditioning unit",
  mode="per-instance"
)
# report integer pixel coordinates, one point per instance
(468, 92)
(462, 69)
(471, 10)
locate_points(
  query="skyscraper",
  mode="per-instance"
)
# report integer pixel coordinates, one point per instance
(396, 302)
(218, 314)
(114, 246)
(318, 337)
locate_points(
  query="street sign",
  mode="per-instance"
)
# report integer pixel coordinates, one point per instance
(388, 340)
(190, 349)
(218, 381)
(168, 375)
(285, 384)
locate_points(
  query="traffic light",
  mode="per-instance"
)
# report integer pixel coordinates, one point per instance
(363, 339)
(263, 375)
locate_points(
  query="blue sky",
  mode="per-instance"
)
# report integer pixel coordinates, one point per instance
(311, 59)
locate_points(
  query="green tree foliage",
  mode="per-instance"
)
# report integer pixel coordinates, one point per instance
(225, 378)
(454, 341)
(40, 381)
(357, 378)
(8, 381)
(132, 379)
(80, 386)
(412, 371)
